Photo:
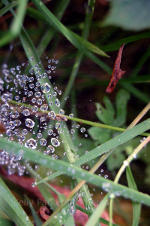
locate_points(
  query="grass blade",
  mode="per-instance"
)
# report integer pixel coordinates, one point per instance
(98, 212)
(11, 207)
(74, 171)
(136, 206)
(79, 55)
(115, 142)
(7, 8)
(36, 218)
(137, 93)
(17, 23)
(129, 39)
(6, 222)
(76, 40)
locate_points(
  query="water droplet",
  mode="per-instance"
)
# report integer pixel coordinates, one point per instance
(82, 129)
(29, 123)
(43, 142)
(31, 143)
(55, 142)
(7, 97)
(52, 115)
(50, 132)
(26, 112)
(44, 107)
(49, 150)
(125, 162)
(57, 103)
(46, 88)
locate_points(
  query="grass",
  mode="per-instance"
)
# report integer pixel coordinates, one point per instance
(71, 159)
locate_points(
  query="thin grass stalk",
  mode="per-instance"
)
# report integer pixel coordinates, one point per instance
(80, 54)
(130, 158)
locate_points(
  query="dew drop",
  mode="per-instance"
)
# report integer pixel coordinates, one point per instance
(43, 142)
(55, 142)
(49, 150)
(46, 88)
(26, 112)
(29, 123)
(82, 129)
(31, 143)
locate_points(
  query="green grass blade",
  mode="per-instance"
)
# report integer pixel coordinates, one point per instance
(11, 207)
(76, 40)
(65, 136)
(7, 8)
(141, 62)
(44, 188)
(36, 218)
(115, 142)
(102, 220)
(99, 62)
(136, 206)
(48, 178)
(70, 221)
(79, 56)
(18, 20)
(98, 212)
(34, 13)
(17, 23)
(116, 45)
(136, 92)
(50, 33)
(5, 222)
(74, 171)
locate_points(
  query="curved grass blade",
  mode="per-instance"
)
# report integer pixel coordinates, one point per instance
(50, 33)
(79, 55)
(115, 142)
(136, 206)
(11, 207)
(36, 218)
(98, 212)
(75, 39)
(65, 136)
(17, 23)
(6, 222)
(136, 92)
(129, 39)
(7, 8)
(74, 171)
(140, 63)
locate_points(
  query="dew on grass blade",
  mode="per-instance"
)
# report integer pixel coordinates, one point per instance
(46, 88)
(31, 143)
(27, 117)
(55, 142)
(29, 123)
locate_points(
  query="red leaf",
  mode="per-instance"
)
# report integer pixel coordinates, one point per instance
(117, 72)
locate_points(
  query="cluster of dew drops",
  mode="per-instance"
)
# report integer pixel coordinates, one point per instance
(26, 125)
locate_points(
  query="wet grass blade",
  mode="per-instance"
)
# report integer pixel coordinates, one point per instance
(115, 142)
(75, 39)
(74, 171)
(11, 207)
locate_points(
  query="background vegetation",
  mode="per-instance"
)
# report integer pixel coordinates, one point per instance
(103, 155)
